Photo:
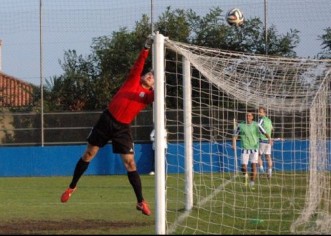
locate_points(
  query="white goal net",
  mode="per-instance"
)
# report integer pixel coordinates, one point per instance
(204, 186)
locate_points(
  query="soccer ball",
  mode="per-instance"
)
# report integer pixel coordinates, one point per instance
(235, 17)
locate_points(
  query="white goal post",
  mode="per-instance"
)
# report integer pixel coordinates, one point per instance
(201, 95)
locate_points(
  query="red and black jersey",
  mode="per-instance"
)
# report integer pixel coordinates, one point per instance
(132, 97)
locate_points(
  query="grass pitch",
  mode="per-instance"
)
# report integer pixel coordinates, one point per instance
(106, 205)
(224, 205)
(100, 205)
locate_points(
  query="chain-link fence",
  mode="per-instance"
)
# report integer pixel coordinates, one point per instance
(61, 128)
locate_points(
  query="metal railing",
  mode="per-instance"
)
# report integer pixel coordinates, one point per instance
(61, 128)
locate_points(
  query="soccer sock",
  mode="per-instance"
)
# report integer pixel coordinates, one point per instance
(80, 168)
(135, 181)
(270, 171)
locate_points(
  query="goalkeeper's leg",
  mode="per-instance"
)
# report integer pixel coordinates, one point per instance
(80, 168)
(135, 181)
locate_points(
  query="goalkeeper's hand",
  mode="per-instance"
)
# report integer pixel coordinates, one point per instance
(149, 42)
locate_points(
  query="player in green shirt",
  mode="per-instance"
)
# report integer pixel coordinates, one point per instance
(249, 133)
(265, 146)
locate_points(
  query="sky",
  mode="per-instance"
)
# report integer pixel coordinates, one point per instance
(72, 25)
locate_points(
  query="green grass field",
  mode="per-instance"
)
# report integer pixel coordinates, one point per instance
(106, 205)
(101, 205)
(236, 209)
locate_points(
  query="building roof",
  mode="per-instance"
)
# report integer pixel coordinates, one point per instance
(14, 92)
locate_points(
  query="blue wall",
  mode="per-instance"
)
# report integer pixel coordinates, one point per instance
(61, 160)
(287, 155)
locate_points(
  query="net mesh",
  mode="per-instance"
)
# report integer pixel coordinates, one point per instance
(225, 85)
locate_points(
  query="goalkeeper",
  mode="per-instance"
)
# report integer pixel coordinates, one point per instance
(114, 124)
(249, 133)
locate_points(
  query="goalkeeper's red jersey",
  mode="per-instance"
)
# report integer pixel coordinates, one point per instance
(131, 98)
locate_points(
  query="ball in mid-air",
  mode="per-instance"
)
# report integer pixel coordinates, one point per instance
(235, 17)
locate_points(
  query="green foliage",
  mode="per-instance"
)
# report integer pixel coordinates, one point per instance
(326, 44)
(71, 91)
(326, 38)
(88, 83)
(174, 24)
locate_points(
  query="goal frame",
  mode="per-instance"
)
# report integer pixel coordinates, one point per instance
(160, 134)
(159, 60)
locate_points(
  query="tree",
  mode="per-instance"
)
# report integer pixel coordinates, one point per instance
(88, 83)
(326, 44)
(72, 90)
(213, 31)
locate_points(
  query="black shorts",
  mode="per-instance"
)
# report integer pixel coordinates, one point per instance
(108, 129)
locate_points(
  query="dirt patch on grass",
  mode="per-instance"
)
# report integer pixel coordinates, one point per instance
(62, 227)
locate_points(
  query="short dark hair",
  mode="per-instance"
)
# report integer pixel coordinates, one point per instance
(146, 70)
(263, 108)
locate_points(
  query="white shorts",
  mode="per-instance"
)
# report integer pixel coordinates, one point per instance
(265, 148)
(249, 155)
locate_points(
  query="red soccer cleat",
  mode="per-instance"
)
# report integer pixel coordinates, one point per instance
(67, 194)
(144, 208)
